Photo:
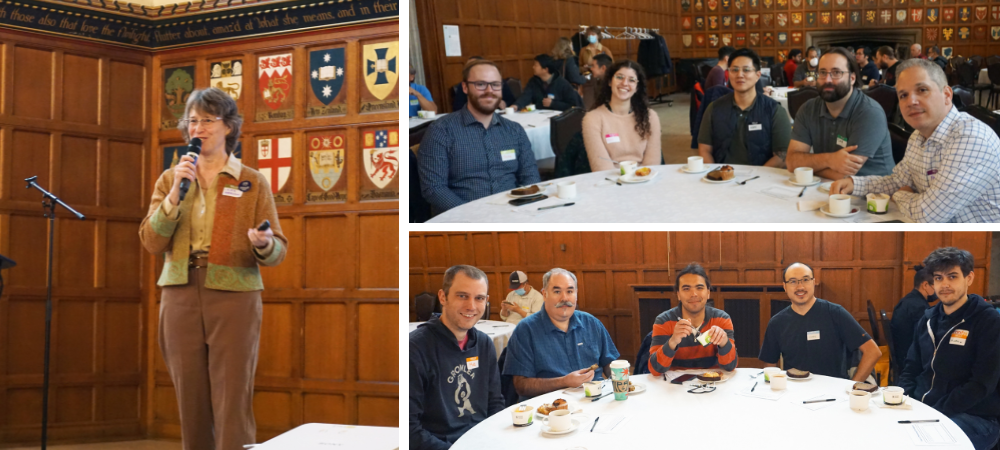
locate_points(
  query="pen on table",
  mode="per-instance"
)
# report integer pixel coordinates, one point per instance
(820, 401)
(803, 191)
(595, 424)
(616, 181)
(754, 387)
(918, 421)
(556, 206)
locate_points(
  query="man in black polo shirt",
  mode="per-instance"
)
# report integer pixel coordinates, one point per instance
(814, 334)
(547, 89)
(743, 127)
(885, 57)
(934, 54)
(869, 71)
(908, 312)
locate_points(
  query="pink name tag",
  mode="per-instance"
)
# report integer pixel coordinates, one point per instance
(611, 138)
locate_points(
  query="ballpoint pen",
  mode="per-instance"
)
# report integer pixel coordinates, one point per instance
(595, 424)
(820, 401)
(803, 191)
(918, 421)
(556, 206)
(754, 387)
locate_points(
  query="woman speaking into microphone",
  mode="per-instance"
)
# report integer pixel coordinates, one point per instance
(214, 237)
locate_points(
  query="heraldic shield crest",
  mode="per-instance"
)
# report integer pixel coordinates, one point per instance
(381, 68)
(274, 161)
(228, 76)
(326, 73)
(381, 150)
(326, 160)
(275, 79)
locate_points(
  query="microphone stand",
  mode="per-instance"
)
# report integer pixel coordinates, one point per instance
(49, 203)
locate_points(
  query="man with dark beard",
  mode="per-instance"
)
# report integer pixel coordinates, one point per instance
(886, 60)
(908, 312)
(846, 129)
(474, 152)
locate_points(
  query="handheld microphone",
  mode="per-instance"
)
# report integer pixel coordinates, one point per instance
(194, 149)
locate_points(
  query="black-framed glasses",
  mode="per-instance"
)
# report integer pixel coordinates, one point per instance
(746, 70)
(796, 282)
(836, 74)
(481, 85)
(195, 122)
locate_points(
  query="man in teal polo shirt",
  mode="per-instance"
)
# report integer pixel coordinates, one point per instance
(555, 348)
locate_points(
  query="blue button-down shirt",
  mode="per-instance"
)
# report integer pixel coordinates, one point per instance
(955, 174)
(461, 161)
(537, 349)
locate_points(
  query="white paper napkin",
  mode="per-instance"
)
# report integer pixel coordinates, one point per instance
(782, 192)
(809, 205)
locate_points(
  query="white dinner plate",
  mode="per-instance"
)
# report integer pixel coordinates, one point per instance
(639, 388)
(850, 388)
(574, 424)
(825, 209)
(799, 379)
(574, 408)
(825, 187)
(634, 179)
(705, 179)
(511, 194)
(703, 170)
(815, 181)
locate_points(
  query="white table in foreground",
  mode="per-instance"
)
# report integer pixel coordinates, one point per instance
(667, 416)
(538, 126)
(673, 196)
(780, 94)
(321, 436)
(498, 331)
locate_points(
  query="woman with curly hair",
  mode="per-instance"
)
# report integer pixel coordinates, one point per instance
(620, 126)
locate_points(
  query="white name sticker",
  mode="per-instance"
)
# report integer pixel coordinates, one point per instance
(508, 155)
(472, 362)
(864, 78)
(958, 337)
(841, 141)
(756, 127)
(415, 102)
(612, 138)
(812, 335)
(232, 192)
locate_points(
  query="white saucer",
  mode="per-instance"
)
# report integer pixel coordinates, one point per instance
(639, 388)
(850, 388)
(799, 379)
(634, 179)
(705, 179)
(574, 424)
(703, 170)
(825, 187)
(815, 181)
(825, 210)
(510, 194)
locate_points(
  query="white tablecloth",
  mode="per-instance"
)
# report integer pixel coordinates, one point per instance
(416, 121)
(666, 416)
(537, 125)
(321, 436)
(781, 95)
(499, 331)
(673, 196)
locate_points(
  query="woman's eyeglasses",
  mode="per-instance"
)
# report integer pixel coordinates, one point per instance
(195, 122)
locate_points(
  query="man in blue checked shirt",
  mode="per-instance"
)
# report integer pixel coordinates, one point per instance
(473, 152)
(951, 171)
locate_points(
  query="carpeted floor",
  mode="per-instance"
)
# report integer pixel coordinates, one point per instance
(123, 445)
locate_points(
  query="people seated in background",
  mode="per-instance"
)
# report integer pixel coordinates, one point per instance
(815, 335)
(547, 89)
(621, 126)
(459, 98)
(934, 54)
(674, 346)
(566, 62)
(522, 301)
(474, 152)
(805, 74)
(886, 60)
(557, 347)
(743, 127)
(593, 47)
(717, 76)
(869, 70)
(846, 129)
(592, 88)
(454, 377)
(794, 59)
(908, 312)
(915, 52)
(951, 171)
(420, 97)
(954, 363)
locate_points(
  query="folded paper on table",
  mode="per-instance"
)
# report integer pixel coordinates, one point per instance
(929, 434)
(609, 423)
(782, 192)
(810, 205)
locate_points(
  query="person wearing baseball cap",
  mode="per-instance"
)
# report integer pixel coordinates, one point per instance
(522, 301)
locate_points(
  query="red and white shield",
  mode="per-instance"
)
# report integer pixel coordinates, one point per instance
(948, 13)
(381, 156)
(917, 14)
(274, 161)
(981, 13)
(275, 79)
(686, 23)
(996, 13)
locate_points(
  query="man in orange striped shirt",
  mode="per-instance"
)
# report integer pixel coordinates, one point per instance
(674, 333)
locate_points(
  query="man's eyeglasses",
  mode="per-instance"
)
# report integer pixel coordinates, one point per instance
(836, 74)
(746, 70)
(795, 282)
(481, 85)
(195, 122)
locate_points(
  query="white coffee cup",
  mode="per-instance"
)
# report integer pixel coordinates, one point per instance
(522, 418)
(860, 399)
(567, 189)
(509, 110)
(840, 204)
(628, 167)
(593, 388)
(779, 381)
(804, 175)
(892, 395)
(878, 203)
(558, 420)
(695, 164)
(770, 371)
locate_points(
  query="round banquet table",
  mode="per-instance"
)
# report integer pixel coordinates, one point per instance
(538, 126)
(498, 331)
(780, 94)
(666, 416)
(673, 196)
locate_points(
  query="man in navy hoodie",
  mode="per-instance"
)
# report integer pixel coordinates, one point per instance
(954, 362)
(454, 378)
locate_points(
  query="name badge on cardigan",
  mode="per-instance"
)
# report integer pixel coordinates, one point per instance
(612, 138)
(230, 191)
(756, 127)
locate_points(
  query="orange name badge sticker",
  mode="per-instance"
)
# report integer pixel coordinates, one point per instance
(472, 362)
(958, 337)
